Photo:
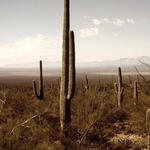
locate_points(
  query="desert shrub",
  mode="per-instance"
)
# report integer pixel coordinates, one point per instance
(96, 119)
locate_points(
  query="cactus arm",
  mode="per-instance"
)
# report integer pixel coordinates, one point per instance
(41, 93)
(122, 90)
(40, 96)
(34, 89)
(71, 81)
(119, 77)
(116, 88)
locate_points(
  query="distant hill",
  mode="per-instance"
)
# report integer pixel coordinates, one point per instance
(127, 65)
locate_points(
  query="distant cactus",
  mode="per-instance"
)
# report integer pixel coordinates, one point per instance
(148, 128)
(40, 91)
(135, 92)
(104, 86)
(86, 86)
(119, 89)
(68, 70)
(130, 81)
(112, 79)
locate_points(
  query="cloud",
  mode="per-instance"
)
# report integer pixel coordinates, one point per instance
(106, 20)
(31, 48)
(118, 22)
(96, 22)
(88, 32)
(130, 21)
(121, 22)
(101, 21)
(85, 17)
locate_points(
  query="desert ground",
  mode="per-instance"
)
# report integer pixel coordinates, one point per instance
(27, 123)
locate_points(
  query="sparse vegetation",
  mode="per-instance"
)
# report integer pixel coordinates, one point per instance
(95, 117)
(27, 123)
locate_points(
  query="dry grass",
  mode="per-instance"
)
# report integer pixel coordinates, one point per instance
(27, 123)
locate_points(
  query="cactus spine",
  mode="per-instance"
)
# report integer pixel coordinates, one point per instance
(148, 128)
(135, 92)
(41, 93)
(68, 70)
(118, 88)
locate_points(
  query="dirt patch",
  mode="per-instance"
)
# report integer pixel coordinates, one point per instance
(131, 139)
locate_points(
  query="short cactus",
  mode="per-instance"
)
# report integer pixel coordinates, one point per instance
(119, 89)
(41, 92)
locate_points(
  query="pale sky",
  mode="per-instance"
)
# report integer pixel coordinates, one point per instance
(31, 30)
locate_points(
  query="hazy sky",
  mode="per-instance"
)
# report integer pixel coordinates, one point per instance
(31, 30)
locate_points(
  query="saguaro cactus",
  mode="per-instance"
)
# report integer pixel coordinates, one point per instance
(112, 79)
(86, 86)
(130, 81)
(135, 92)
(68, 70)
(40, 91)
(148, 128)
(118, 88)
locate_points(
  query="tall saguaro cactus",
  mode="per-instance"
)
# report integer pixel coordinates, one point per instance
(40, 91)
(135, 92)
(148, 128)
(118, 88)
(68, 69)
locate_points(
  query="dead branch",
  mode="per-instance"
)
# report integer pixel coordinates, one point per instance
(144, 63)
(29, 119)
(140, 75)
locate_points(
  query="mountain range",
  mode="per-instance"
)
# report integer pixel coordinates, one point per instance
(122, 62)
(127, 65)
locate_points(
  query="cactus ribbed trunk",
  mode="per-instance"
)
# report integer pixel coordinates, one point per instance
(41, 92)
(135, 92)
(148, 128)
(65, 65)
(34, 89)
(119, 78)
(67, 87)
(118, 88)
(41, 81)
(72, 76)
